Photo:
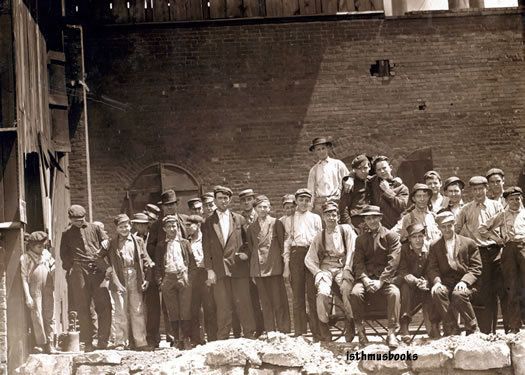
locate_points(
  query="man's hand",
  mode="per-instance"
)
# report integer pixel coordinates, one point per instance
(185, 280)
(30, 303)
(499, 240)
(374, 286)
(212, 278)
(436, 288)
(242, 256)
(422, 283)
(286, 272)
(145, 285)
(384, 185)
(461, 286)
(105, 244)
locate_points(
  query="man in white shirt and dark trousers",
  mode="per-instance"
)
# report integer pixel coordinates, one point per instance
(301, 228)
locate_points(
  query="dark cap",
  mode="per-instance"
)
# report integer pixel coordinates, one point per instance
(168, 197)
(453, 180)
(513, 190)
(431, 174)
(260, 199)
(288, 198)
(152, 208)
(208, 197)
(358, 160)
(246, 193)
(223, 190)
(418, 187)
(415, 228)
(169, 219)
(194, 203)
(329, 206)
(139, 218)
(303, 192)
(194, 219)
(445, 217)
(76, 212)
(477, 180)
(120, 218)
(321, 141)
(370, 211)
(494, 171)
(37, 237)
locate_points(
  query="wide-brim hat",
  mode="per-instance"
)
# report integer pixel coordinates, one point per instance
(140, 218)
(168, 197)
(370, 211)
(321, 141)
(420, 187)
(453, 180)
(150, 207)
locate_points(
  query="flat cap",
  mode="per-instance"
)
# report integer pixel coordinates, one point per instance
(76, 212)
(370, 210)
(358, 160)
(140, 217)
(431, 174)
(415, 228)
(120, 218)
(223, 190)
(288, 198)
(494, 171)
(194, 203)
(513, 190)
(194, 219)
(453, 180)
(208, 197)
(260, 199)
(169, 219)
(321, 141)
(477, 180)
(152, 208)
(303, 192)
(330, 206)
(445, 217)
(37, 237)
(246, 193)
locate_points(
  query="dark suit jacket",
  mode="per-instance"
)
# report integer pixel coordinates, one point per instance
(354, 201)
(160, 258)
(158, 236)
(411, 265)
(224, 259)
(267, 263)
(468, 259)
(392, 204)
(377, 259)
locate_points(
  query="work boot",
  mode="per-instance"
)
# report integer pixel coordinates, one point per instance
(391, 340)
(403, 330)
(325, 332)
(434, 331)
(349, 330)
(361, 334)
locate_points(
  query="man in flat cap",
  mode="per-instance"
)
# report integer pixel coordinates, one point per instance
(354, 192)
(376, 261)
(201, 292)
(496, 184)
(329, 259)
(266, 245)
(195, 206)
(433, 181)
(37, 268)
(140, 225)
(453, 188)
(468, 222)
(507, 228)
(208, 202)
(301, 228)
(387, 192)
(412, 282)
(152, 211)
(288, 203)
(88, 275)
(132, 273)
(454, 270)
(227, 262)
(325, 177)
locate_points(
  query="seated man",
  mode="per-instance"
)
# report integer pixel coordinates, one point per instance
(454, 267)
(414, 288)
(376, 261)
(329, 259)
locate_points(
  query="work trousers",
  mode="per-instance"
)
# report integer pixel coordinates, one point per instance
(302, 280)
(177, 297)
(202, 298)
(390, 292)
(233, 294)
(129, 311)
(154, 306)
(274, 302)
(41, 286)
(325, 295)
(86, 286)
(449, 303)
(513, 270)
(411, 296)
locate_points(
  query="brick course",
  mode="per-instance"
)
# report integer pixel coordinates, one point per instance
(239, 104)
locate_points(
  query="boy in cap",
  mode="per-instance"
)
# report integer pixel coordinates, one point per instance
(195, 206)
(288, 202)
(453, 188)
(131, 276)
(325, 177)
(247, 197)
(88, 275)
(454, 268)
(468, 222)
(152, 211)
(376, 261)
(496, 183)
(174, 272)
(208, 201)
(301, 228)
(37, 267)
(329, 259)
(507, 228)
(433, 181)
(140, 226)
(265, 238)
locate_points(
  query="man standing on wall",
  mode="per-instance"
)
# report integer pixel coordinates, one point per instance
(496, 180)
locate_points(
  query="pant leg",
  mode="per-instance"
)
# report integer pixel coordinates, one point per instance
(152, 302)
(487, 295)
(520, 259)
(36, 318)
(102, 307)
(442, 303)
(243, 306)
(82, 302)
(170, 296)
(136, 310)
(210, 313)
(279, 297)
(119, 318)
(357, 300)
(257, 309)
(48, 310)
(266, 301)
(324, 298)
(460, 302)
(393, 299)
(222, 292)
(184, 302)
(298, 284)
(197, 295)
(313, 320)
(509, 268)
(407, 294)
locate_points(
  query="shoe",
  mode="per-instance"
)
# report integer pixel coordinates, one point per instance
(391, 341)
(403, 326)
(102, 346)
(361, 334)
(434, 331)
(471, 330)
(37, 350)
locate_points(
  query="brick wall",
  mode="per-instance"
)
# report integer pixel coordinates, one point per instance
(239, 104)
(3, 313)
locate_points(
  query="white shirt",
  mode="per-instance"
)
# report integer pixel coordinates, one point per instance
(224, 222)
(325, 177)
(451, 245)
(196, 249)
(174, 260)
(301, 228)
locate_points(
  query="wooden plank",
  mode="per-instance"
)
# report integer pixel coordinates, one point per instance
(378, 5)
(234, 8)
(137, 11)
(328, 6)
(290, 7)
(161, 10)
(195, 11)
(346, 5)
(307, 7)
(120, 11)
(274, 8)
(252, 8)
(217, 9)
(180, 10)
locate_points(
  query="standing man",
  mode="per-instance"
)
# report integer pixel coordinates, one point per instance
(208, 201)
(226, 261)
(469, 220)
(88, 275)
(454, 268)
(301, 228)
(453, 188)
(496, 180)
(376, 261)
(152, 211)
(326, 176)
(387, 192)
(354, 195)
(195, 206)
(140, 226)
(433, 181)
(247, 197)
(288, 202)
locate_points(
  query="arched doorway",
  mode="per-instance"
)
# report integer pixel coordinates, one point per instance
(153, 180)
